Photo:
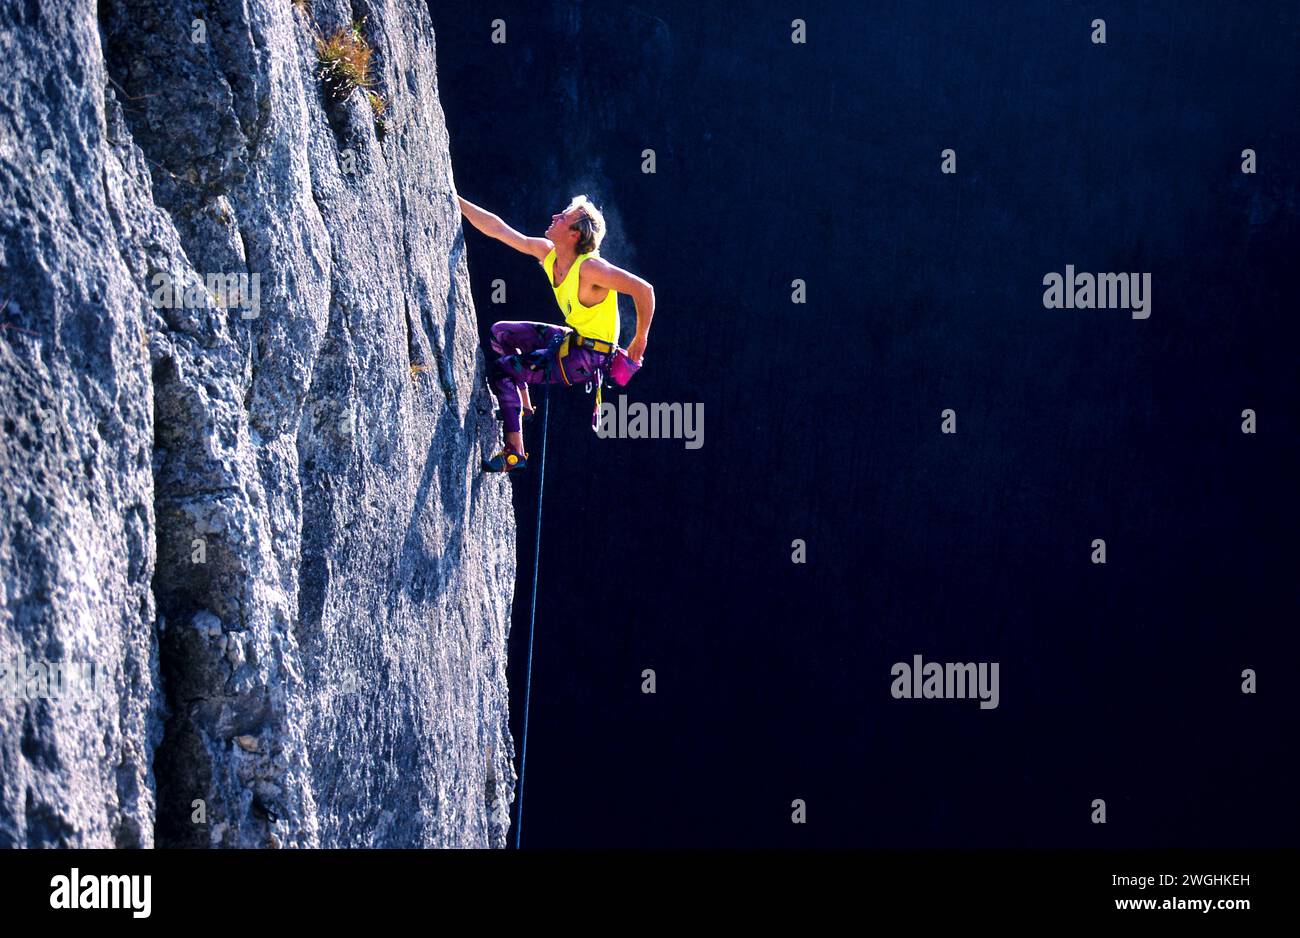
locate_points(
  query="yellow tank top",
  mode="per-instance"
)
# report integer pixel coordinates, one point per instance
(594, 322)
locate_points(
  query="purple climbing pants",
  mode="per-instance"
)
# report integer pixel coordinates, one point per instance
(527, 355)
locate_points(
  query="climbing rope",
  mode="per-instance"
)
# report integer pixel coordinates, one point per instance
(532, 612)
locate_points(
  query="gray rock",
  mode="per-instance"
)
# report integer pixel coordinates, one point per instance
(268, 471)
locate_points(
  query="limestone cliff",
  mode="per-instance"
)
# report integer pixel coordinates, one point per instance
(224, 485)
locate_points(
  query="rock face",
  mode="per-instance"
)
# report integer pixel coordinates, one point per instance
(253, 505)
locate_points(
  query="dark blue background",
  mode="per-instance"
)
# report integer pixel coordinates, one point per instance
(821, 162)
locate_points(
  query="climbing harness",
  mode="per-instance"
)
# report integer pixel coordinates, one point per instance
(532, 614)
(596, 345)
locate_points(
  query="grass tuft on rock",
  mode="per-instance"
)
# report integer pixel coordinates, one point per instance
(345, 61)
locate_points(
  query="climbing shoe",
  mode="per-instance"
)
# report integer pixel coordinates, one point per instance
(506, 461)
(525, 416)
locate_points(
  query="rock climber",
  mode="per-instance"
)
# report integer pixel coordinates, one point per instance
(586, 287)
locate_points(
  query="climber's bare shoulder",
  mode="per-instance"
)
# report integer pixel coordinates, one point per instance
(599, 272)
(537, 247)
(533, 247)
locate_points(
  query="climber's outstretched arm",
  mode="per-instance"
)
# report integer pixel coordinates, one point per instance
(605, 274)
(492, 226)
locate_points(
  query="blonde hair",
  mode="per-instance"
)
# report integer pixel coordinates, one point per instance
(590, 228)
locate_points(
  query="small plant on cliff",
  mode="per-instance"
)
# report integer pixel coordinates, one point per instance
(379, 105)
(302, 6)
(345, 61)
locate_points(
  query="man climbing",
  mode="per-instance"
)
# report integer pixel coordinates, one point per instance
(586, 287)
